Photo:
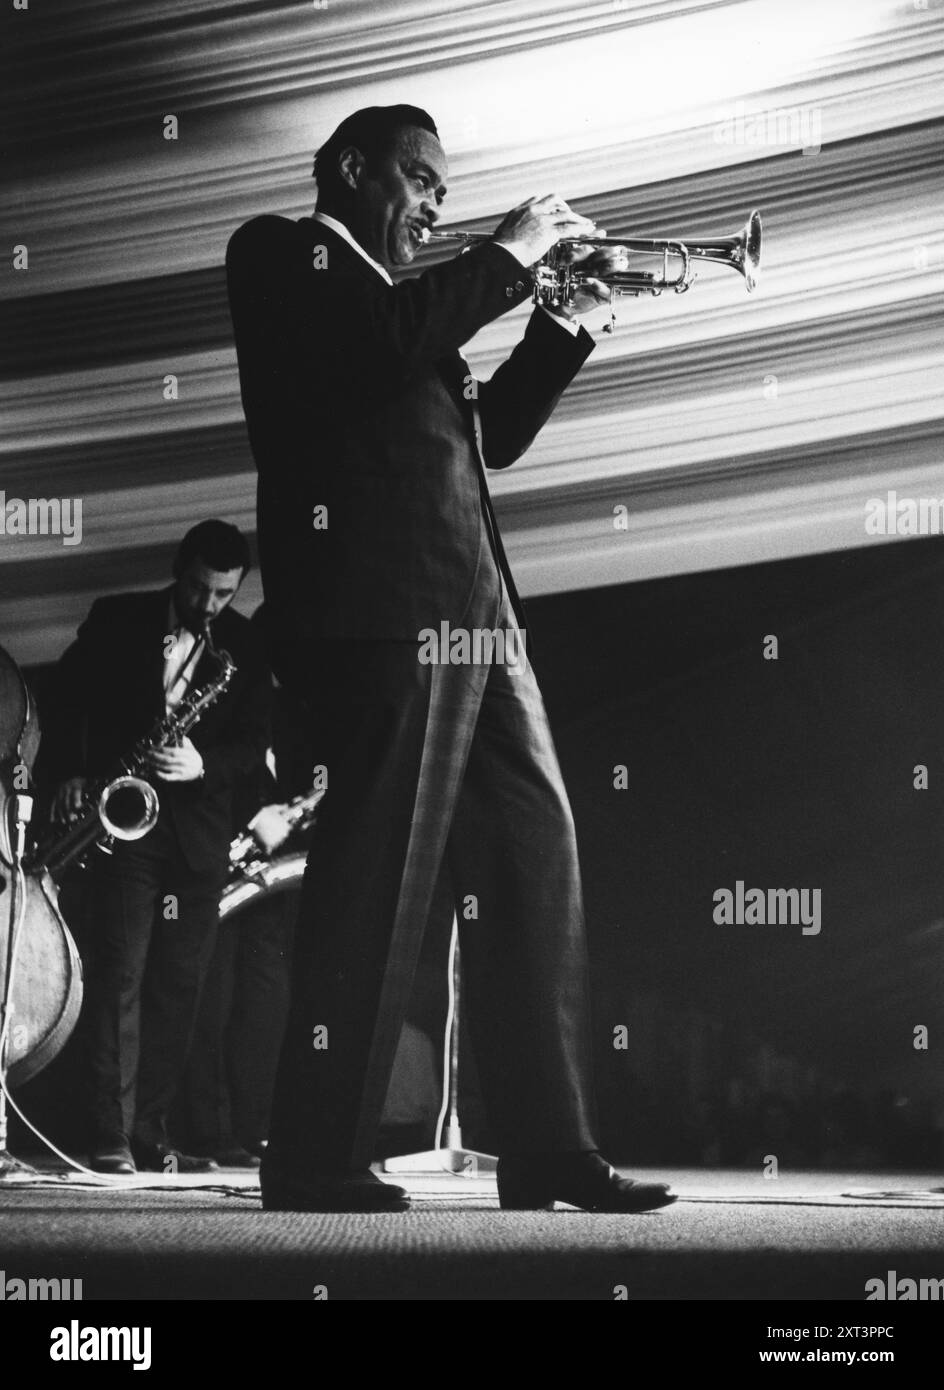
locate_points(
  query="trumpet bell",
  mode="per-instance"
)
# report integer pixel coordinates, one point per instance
(741, 252)
(754, 237)
(750, 243)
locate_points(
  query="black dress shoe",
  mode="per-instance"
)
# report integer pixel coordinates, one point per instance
(581, 1179)
(228, 1155)
(321, 1191)
(163, 1158)
(113, 1157)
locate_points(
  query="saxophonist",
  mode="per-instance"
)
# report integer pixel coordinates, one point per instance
(152, 903)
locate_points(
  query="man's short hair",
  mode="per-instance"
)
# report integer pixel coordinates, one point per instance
(373, 130)
(218, 544)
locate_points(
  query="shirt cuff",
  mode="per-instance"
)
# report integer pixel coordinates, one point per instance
(517, 250)
(572, 326)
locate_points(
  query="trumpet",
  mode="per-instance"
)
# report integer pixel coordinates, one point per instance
(557, 277)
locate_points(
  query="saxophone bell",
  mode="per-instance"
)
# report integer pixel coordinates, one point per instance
(124, 808)
(128, 808)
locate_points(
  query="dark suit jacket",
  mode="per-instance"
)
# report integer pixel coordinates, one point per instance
(355, 396)
(108, 692)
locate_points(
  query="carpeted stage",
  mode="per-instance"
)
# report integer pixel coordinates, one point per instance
(732, 1235)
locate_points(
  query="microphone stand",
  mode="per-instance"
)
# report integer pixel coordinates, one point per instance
(454, 1158)
(12, 1168)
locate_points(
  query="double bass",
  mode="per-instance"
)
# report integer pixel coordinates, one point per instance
(40, 969)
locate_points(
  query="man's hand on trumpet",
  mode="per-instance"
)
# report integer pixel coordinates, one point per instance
(531, 229)
(594, 261)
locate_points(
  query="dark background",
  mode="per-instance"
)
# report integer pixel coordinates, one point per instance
(745, 1041)
(794, 772)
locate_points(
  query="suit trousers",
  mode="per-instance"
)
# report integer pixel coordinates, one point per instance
(147, 956)
(226, 1094)
(441, 766)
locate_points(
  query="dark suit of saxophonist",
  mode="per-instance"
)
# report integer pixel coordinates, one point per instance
(376, 530)
(154, 902)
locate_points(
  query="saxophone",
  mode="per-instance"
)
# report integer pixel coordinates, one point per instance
(300, 813)
(124, 806)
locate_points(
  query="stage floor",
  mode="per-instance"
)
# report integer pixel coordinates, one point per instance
(731, 1235)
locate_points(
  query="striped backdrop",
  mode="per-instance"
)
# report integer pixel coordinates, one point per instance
(730, 427)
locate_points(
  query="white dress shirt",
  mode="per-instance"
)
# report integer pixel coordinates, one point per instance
(571, 325)
(342, 231)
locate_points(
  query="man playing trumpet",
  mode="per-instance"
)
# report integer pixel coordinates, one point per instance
(375, 526)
